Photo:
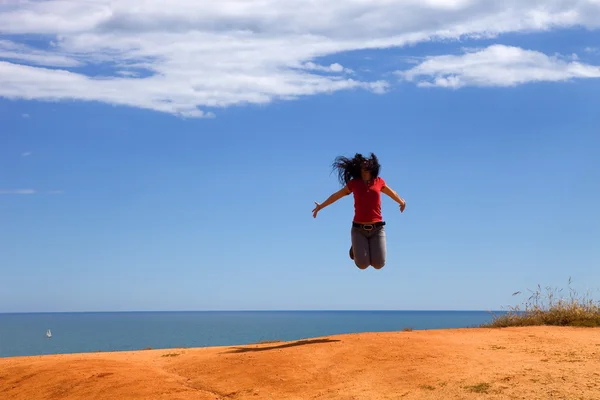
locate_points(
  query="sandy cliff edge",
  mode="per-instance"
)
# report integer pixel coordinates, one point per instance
(472, 363)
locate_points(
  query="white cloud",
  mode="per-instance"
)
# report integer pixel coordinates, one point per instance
(22, 115)
(16, 191)
(495, 66)
(26, 154)
(335, 67)
(127, 73)
(18, 52)
(194, 54)
(180, 93)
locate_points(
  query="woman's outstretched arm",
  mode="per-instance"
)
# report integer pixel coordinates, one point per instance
(392, 193)
(332, 199)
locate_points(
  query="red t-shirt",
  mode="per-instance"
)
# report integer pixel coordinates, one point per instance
(367, 199)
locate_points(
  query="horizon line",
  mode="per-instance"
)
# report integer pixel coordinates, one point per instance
(247, 310)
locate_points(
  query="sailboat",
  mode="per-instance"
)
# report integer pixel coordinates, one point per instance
(48, 333)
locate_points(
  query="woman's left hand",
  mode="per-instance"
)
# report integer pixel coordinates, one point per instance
(402, 206)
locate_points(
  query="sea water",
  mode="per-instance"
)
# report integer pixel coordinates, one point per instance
(25, 334)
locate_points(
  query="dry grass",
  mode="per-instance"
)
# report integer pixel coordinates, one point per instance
(483, 387)
(549, 308)
(171, 355)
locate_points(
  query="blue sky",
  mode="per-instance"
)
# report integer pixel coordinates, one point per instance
(119, 194)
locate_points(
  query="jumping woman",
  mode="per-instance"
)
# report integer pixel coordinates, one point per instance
(360, 176)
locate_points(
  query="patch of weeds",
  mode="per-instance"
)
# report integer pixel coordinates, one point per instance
(550, 309)
(494, 347)
(482, 387)
(407, 330)
(428, 387)
(171, 355)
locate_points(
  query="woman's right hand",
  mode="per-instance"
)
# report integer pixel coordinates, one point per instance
(316, 209)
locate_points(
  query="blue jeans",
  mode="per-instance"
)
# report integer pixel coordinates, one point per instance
(369, 247)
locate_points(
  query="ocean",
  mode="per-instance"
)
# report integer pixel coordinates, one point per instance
(25, 334)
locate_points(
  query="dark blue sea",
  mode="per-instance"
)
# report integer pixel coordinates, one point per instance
(25, 334)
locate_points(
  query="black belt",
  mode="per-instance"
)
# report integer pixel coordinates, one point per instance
(368, 227)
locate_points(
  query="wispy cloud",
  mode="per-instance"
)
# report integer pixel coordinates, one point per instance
(22, 115)
(27, 191)
(26, 154)
(18, 52)
(335, 67)
(496, 66)
(16, 191)
(127, 73)
(195, 55)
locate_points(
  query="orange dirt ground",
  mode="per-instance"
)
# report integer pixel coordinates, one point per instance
(473, 363)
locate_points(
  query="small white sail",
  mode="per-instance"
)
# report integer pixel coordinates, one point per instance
(48, 333)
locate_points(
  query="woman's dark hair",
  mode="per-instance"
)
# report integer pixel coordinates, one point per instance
(349, 168)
